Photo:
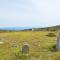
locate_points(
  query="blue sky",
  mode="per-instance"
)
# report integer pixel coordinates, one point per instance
(32, 13)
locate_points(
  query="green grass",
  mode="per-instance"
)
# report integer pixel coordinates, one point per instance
(40, 46)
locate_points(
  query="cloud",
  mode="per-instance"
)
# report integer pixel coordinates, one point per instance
(46, 12)
(34, 13)
(47, 8)
(20, 9)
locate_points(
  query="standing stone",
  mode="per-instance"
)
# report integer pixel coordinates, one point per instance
(1, 41)
(25, 49)
(58, 42)
(14, 44)
(32, 29)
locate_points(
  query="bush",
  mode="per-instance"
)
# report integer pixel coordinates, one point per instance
(53, 48)
(51, 34)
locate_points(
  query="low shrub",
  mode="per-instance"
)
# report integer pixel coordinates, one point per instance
(51, 34)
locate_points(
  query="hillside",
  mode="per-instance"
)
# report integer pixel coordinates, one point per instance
(52, 28)
(10, 29)
(41, 47)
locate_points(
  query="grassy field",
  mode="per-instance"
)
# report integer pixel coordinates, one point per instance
(42, 47)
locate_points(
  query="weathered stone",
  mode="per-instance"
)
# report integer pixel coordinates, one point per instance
(25, 49)
(58, 42)
(14, 44)
(1, 41)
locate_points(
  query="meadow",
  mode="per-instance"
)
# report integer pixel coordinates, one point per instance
(42, 47)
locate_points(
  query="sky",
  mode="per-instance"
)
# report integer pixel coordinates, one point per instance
(29, 13)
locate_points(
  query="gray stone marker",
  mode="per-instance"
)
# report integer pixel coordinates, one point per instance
(14, 44)
(58, 42)
(1, 41)
(25, 48)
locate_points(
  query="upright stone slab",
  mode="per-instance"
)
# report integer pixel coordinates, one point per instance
(1, 41)
(32, 29)
(14, 44)
(58, 42)
(25, 49)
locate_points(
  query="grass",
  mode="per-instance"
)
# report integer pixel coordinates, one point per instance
(41, 46)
